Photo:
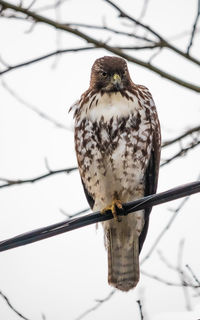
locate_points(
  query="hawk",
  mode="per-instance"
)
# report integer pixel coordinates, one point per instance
(117, 142)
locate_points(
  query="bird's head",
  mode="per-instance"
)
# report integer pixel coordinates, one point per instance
(110, 74)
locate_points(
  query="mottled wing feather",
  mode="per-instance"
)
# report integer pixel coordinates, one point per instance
(88, 196)
(151, 180)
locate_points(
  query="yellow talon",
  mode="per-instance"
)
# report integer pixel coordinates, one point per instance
(112, 207)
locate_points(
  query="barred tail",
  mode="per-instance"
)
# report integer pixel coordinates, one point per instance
(123, 262)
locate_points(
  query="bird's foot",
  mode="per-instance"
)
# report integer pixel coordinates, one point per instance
(112, 207)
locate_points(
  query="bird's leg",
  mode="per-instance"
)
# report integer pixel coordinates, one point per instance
(112, 207)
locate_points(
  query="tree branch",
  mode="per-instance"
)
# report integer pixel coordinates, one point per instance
(97, 305)
(193, 275)
(72, 224)
(119, 32)
(182, 275)
(194, 28)
(10, 183)
(33, 108)
(100, 44)
(185, 134)
(165, 43)
(11, 306)
(48, 55)
(165, 229)
(140, 309)
(182, 152)
(185, 280)
(168, 283)
(62, 51)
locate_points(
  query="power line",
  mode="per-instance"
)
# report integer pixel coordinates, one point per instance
(72, 224)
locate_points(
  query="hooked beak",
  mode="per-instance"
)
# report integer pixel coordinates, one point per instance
(116, 81)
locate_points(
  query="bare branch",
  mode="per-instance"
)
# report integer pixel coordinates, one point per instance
(122, 14)
(193, 275)
(106, 28)
(185, 283)
(155, 54)
(165, 229)
(182, 34)
(144, 9)
(62, 51)
(185, 134)
(182, 152)
(11, 306)
(194, 28)
(50, 7)
(97, 305)
(31, 4)
(140, 309)
(182, 275)
(167, 226)
(10, 183)
(101, 44)
(33, 108)
(164, 281)
(66, 226)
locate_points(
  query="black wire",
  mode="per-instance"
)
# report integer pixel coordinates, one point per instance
(72, 224)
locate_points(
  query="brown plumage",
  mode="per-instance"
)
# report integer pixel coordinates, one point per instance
(117, 140)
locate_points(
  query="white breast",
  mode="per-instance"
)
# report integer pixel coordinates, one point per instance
(111, 105)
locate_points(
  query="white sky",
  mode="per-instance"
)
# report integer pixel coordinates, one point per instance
(62, 276)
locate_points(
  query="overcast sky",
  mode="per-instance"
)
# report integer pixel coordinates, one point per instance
(63, 276)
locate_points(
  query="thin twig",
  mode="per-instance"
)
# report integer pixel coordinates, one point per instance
(159, 279)
(193, 274)
(123, 14)
(31, 4)
(106, 28)
(97, 305)
(194, 28)
(10, 183)
(144, 9)
(182, 275)
(51, 7)
(11, 306)
(104, 45)
(62, 51)
(155, 54)
(180, 137)
(167, 282)
(66, 226)
(140, 309)
(33, 108)
(181, 153)
(165, 229)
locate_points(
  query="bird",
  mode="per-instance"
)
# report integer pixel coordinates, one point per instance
(117, 141)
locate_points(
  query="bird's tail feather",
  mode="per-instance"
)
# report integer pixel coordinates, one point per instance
(123, 261)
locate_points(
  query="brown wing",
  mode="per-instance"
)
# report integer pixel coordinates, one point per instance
(88, 196)
(151, 179)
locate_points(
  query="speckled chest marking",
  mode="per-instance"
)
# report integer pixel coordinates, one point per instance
(113, 137)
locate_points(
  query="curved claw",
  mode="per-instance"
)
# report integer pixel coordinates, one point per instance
(112, 207)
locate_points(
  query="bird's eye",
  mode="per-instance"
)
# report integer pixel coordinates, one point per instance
(104, 74)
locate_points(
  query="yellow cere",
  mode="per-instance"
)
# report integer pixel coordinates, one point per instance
(116, 77)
